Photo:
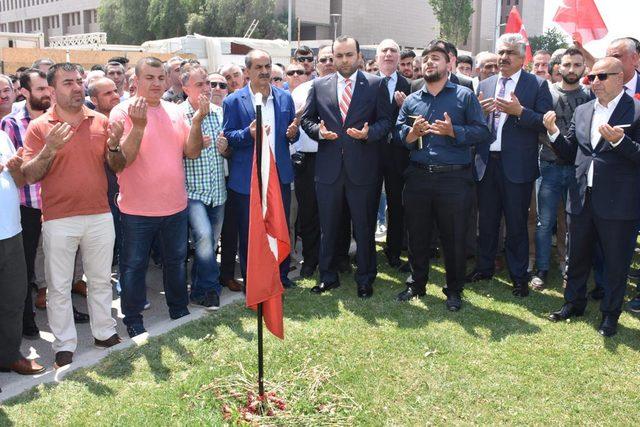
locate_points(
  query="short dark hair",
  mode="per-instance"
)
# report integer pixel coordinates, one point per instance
(572, 51)
(449, 48)
(121, 59)
(435, 46)
(64, 66)
(407, 53)
(25, 77)
(13, 78)
(151, 61)
(97, 67)
(343, 39)
(542, 52)
(371, 62)
(465, 59)
(303, 50)
(21, 69)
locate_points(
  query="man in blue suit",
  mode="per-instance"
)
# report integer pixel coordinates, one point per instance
(348, 113)
(278, 114)
(603, 142)
(506, 167)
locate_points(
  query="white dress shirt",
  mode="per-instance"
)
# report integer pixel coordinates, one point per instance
(601, 116)
(268, 116)
(509, 87)
(9, 195)
(630, 86)
(304, 142)
(391, 84)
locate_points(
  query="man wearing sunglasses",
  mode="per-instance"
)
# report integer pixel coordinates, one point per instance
(604, 202)
(304, 55)
(219, 88)
(277, 76)
(295, 75)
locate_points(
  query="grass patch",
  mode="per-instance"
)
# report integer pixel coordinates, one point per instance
(376, 362)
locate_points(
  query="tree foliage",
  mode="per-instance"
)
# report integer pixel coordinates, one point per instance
(454, 17)
(550, 40)
(125, 21)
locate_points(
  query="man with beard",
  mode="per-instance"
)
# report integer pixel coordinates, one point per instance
(541, 64)
(348, 113)
(116, 72)
(556, 175)
(405, 66)
(439, 181)
(451, 68)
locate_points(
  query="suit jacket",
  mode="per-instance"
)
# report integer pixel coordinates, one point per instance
(616, 170)
(370, 104)
(519, 143)
(417, 84)
(402, 85)
(238, 113)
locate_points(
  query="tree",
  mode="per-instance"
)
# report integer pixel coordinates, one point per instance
(454, 17)
(550, 40)
(167, 18)
(124, 21)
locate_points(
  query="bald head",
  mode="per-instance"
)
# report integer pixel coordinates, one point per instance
(104, 94)
(609, 65)
(608, 80)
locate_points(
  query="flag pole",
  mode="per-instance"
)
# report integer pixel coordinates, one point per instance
(259, 173)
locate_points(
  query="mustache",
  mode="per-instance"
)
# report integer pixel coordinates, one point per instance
(264, 76)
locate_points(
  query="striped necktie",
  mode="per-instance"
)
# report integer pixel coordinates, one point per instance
(497, 114)
(345, 100)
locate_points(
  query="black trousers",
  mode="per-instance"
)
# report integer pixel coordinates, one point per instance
(308, 220)
(443, 198)
(497, 196)
(30, 219)
(13, 287)
(228, 243)
(395, 160)
(617, 238)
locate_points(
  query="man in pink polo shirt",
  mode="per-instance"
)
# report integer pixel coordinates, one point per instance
(153, 197)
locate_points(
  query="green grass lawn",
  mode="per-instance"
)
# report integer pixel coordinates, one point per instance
(347, 361)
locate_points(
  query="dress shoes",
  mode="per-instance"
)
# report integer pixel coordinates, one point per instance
(365, 291)
(454, 301)
(288, 283)
(609, 325)
(520, 289)
(410, 293)
(232, 284)
(63, 358)
(324, 287)
(538, 279)
(109, 342)
(79, 288)
(307, 271)
(41, 299)
(23, 366)
(80, 317)
(567, 311)
(476, 276)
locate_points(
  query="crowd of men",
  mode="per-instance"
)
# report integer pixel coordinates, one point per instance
(475, 157)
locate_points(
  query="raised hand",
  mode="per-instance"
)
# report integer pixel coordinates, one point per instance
(292, 130)
(15, 162)
(58, 136)
(420, 127)
(115, 131)
(488, 105)
(359, 134)
(252, 130)
(611, 134)
(203, 108)
(399, 97)
(326, 134)
(549, 122)
(512, 107)
(443, 127)
(222, 144)
(138, 112)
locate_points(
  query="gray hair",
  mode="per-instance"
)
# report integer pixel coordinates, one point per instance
(483, 56)
(188, 69)
(514, 39)
(167, 68)
(228, 67)
(8, 79)
(393, 42)
(252, 54)
(629, 44)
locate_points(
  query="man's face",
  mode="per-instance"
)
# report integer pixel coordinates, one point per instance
(372, 67)
(541, 65)
(174, 73)
(434, 66)
(277, 77)
(296, 76)
(260, 70)
(346, 57)
(611, 86)
(388, 56)
(488, 68)
(464, 68)
(219, 88)
(509, 59)
(405, 66)
(117, 75)
(235, 78)
(417, 68)
(107, 96)
(325, 65)
(6, 96)
(68, 89)
(571, 68)
(629, 59)
(197, 85)
(151, 82)
(39, 96)
(555, 76)
(306, 60)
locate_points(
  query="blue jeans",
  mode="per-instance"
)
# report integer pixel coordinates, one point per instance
(382, 209)
(206, 224)
(553, 188)
(138, 233)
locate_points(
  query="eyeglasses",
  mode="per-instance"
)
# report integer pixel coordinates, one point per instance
(601, 76)
(325, 59)
(304, 58)
(292, 72)
(218, 84)
(276, 79)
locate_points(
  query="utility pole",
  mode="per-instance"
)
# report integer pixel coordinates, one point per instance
(498, 26)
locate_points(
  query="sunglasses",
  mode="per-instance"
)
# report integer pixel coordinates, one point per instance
(325, 59)
(304, 58)
(292, 72)
(217, 84)
(601, 76)
(276, 79)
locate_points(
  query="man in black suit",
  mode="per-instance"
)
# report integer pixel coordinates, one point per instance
(514, 102)
(348, 113)
(394, 156)
(451, 50)
(604, 202)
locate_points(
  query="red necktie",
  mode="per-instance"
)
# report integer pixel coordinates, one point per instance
(345, 100)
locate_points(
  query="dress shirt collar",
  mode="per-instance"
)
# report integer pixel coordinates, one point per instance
(611, 105)
(253, 95)
(448, 85)
(514, 77)
(352, 77)
(632, 84)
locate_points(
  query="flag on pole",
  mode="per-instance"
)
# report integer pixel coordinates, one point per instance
(581, 17)
(268, 243)
(515, 25)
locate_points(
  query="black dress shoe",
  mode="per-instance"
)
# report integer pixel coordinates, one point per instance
(454, 302)
(567, 311)
(476, 276)
(80, 317)
(288, 283)
(324, 287)
(520, 289)
(365, 291)
(307, 270)
(609, 325)
(410, 293)
(596, 293)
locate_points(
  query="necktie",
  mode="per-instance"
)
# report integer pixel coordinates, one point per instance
(386, 83)
(497, 114)
(345, 100)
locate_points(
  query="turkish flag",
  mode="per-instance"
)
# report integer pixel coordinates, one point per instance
(515, 25)
(581, 17)
(268, 243)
